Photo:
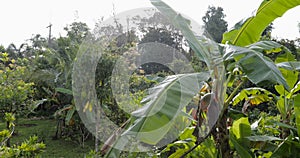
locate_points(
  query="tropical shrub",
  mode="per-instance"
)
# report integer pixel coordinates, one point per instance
(15, 91)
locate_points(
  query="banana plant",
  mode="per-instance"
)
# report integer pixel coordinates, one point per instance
(150, 123)
(165, 102)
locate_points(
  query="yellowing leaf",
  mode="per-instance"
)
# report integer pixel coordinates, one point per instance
(255, 96)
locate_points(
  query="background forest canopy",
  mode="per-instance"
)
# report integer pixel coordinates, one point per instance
(261, 113)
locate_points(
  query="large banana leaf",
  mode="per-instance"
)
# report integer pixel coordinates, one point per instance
(255, 65)
(249, 30)
(268, 47)
(161, 108)
(289, 65)
(262, 46)
(206, 49)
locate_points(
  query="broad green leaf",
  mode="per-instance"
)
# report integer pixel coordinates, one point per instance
(235, 52)
(249, 30)
(259, 68)
(297, 112)
(267, 47)
(255, 65)
(255, 96)
(281, 105)
(239, 148)
(182, 24)
(289, 65)
(280, 89)
(294, 90)
(285, 57)
(163, 105)
(262, 138)
(290, 76)
(241, 128)
(261, 46)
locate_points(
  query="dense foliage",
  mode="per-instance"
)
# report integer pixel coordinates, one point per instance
(242, 127)
(243, 100)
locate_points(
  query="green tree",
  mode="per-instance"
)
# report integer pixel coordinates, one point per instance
(214, 23)
(77, 31)
(15, 90)
(157, 29)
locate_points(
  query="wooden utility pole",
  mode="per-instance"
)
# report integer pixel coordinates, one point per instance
(49, 38)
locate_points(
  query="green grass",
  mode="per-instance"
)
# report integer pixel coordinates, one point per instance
(45, 130)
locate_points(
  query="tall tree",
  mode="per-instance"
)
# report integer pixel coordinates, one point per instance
(214, 23)
(77, 31)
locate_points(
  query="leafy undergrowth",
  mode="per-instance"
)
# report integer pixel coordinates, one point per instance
(45, 130)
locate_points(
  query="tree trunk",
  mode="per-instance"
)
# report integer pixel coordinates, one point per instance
(221, 136)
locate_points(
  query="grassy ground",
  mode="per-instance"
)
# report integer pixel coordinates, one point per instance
(45, 130)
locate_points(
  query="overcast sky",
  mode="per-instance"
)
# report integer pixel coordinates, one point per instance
(20, 19)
